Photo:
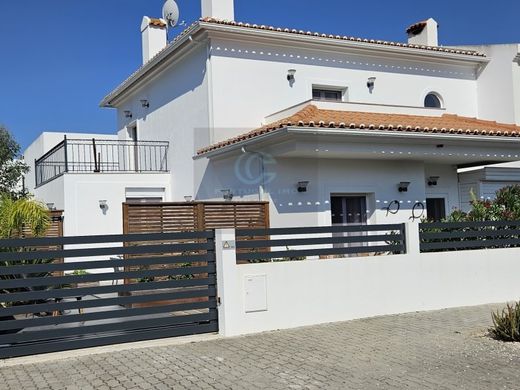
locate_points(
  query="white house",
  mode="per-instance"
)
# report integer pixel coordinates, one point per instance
(328, 129)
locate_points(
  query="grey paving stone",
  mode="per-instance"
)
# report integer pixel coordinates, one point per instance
(445, 349)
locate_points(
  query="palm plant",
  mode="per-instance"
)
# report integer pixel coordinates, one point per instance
(19, 214)
(17, 217)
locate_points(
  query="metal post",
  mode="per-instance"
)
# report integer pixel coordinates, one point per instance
(65, 153)
(36, 173)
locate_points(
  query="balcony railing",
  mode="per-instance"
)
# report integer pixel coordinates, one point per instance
(101, 156)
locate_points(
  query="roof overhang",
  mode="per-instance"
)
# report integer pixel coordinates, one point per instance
(181, 45)
(351, 46)
(293, 142)
(200, 31)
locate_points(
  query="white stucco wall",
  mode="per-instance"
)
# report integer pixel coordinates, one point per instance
(178, 113)
(249, 82)
(83, 215)
(378, 180)
(300, 293)
(498, 85)
(79, 195)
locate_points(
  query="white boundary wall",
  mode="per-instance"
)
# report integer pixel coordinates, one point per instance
(269, 296)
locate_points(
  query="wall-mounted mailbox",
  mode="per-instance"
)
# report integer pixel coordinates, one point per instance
(255, 290)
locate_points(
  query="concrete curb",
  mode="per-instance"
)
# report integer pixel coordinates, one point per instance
(173, 341)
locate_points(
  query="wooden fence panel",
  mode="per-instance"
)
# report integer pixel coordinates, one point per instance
(55, 229)
(188, 216)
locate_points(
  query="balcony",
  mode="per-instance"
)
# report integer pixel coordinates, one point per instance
(101, 156)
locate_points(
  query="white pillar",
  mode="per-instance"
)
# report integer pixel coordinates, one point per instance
(154, 37)
(412, 238)
(218, 9)
(228, 291)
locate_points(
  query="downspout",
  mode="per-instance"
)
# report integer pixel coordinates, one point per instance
(211, 123)
(261, 188)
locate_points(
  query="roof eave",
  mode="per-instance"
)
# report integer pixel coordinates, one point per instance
(359, 45)
(365, 133)
(123, 88)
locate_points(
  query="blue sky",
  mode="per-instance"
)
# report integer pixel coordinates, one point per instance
(58, 58)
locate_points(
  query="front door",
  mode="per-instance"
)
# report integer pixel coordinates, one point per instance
(436, 209)
(349, 210)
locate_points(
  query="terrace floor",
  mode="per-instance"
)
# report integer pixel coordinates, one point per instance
(444, 349)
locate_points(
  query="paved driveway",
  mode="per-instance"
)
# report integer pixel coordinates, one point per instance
(435, 350)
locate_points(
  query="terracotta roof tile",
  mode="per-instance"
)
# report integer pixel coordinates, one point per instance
(157, 22)
(416, 28)
(311, 116)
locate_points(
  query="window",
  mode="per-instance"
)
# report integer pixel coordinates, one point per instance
(432, 101)
(436, 209)
(329, 95)
(149, 199)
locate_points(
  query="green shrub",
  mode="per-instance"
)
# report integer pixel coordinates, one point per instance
(506, 323)
(80, 272)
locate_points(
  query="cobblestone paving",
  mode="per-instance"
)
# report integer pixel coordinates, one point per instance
(435, 350)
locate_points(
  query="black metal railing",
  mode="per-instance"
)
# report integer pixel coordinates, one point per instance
(290, 244)
(97, 156)
(63, 293)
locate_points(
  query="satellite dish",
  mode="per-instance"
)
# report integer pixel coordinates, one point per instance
(170, 12)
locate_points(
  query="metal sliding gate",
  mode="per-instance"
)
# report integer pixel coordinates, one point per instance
(75, 292)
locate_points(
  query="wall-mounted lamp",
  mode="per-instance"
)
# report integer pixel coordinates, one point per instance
(371, 82)
(103, 205)
(302, 186)
(128, 114)
(432, 180)
(403, 186)
(145, 103)
(290, 75)
(50, 206)
(227, 195)
(188, 198)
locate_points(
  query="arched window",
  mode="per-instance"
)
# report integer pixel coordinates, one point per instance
(432, 101)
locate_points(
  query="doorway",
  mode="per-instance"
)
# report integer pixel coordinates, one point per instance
(436, 209)
(348, 210)
(133, 148)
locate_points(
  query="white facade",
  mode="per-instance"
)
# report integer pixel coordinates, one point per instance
(218, 80)
(80, 194)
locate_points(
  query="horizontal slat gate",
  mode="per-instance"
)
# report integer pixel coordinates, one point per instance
(109, 289)
(289, 244)
(450, 236)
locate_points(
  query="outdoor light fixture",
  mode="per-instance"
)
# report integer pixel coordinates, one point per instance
(50, 206)
(145, 103)
(128, 114)
(371, 82)
(290, 75)
(403, 186)
(187, 198)
(432, 180)
(227, 194)
(302, 186)
(103, 205)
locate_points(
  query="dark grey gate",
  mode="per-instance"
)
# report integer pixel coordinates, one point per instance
(74, 292)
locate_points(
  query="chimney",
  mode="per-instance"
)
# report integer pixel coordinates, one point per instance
(154, 33)
(423, 33)
(218, 9)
